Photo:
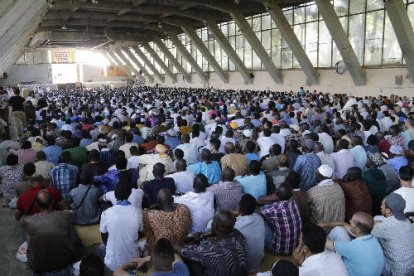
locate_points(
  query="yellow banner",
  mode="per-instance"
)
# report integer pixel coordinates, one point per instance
(63, 55)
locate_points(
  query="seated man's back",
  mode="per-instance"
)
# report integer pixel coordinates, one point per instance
(50, 246)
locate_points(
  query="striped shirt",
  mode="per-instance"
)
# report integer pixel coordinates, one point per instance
(227, 195)
(327, 202)
(284, 219)
(64, 178)
(220, 258)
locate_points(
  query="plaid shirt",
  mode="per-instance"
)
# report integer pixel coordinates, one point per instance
(64, 178)
(284, 219)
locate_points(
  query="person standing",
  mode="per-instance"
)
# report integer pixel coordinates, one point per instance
(4, 109)
(17, 104)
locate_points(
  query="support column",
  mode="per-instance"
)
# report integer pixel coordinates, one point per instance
(341, 40)
(226, 46)
(291, 39)
(5, 6)
(191, 33)
(160, 62)
(148, 62)
(119, 63)
(171, 58)
(183, 51)
(403, 31)
(257, 46)
(137, 63)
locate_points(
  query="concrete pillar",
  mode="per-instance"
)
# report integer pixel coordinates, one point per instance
(226, 46)
(341, 40)
(171, 58)
(160, 62)
(403, 31)
(148, 62)
(5, 6)
(119, 63)
(20, 29)
(183, 51)
(192, 34)
(137, 63)
(257, 46)
(291, 39)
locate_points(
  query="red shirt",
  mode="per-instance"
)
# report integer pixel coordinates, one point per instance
(27, 199)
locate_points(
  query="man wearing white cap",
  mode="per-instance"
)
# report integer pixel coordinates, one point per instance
(326, 199)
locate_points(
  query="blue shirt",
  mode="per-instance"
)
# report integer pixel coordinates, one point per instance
(179, 269)
(212, 171)
(397, 162)
(53, 153)
(307, 165)
(138, 139)
(64, 178)
(253, 184)
(362, 256)
(173, 142)
(359, 155)
(252, 156)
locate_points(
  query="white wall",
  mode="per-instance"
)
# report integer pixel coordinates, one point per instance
(380, 81)
(38, 73)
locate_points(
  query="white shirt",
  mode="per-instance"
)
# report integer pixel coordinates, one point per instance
(326, 263)
(327, 142)
(43, 168)
(125, 148)
(122, 223)
(253, 229)
(264, 143)
(133, 162)
(343, 161)
(225, 140)
(279, 139)
(408, 195)
(183, 181)
(135, 198)
(201, 206)
(190, 152)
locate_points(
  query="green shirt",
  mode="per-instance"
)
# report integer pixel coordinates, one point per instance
(377, 185)
(79, 155)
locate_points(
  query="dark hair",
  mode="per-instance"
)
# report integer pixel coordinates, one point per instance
(250, 146)
(227, 174)
(44, 203)
(158, 169)
(372, 140)
(26, 145)
(179, 153)
(247, 204)
(94, 155)
(343, 144)
(284, 192)
(65, 157)
(91, 265)
(41, 155)
(133, 150)
(314, 237)
(215, 143)
(121, 163)
(406, 173)
(200, 183)
(129, 137)
(353, 174)
(123, 190)
(181, 165)
(12, 160)
(75, 142)
(254, 167)
(205, 155)
(29, 169)
(163, 251)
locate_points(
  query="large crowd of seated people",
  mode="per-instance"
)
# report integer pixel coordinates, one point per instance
(188, 181)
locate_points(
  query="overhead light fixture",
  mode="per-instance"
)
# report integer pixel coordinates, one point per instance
(64, 27)
(237, 2)
(94, 1)
(160, 25)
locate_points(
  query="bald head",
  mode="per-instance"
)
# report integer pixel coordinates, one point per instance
(223, 223)
(364, 222)
(43, 200)
(283, 161)
(164, 198)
